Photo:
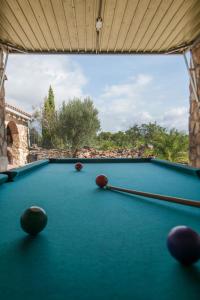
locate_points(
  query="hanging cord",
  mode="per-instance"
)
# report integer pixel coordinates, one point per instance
(4, 70)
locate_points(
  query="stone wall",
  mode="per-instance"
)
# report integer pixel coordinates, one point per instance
(194, 119)
(3, 146)
(37, 153)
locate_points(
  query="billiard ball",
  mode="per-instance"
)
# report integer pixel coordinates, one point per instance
(184, 244)
(33, 220)
(101, 180)
(78, 166)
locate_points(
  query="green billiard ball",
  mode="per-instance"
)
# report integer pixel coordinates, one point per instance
(33, 220)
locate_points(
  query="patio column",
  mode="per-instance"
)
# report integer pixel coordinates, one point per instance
(3, 144)
(194, 119)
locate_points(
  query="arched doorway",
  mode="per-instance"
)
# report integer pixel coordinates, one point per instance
(12, 143)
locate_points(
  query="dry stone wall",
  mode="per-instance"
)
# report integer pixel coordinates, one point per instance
(37, 153)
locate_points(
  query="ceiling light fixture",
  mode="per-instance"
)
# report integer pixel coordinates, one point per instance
(99, 24)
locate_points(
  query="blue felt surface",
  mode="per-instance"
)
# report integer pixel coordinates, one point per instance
(3, 178)
(98, 244)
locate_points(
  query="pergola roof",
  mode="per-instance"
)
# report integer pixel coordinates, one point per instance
(128, 26)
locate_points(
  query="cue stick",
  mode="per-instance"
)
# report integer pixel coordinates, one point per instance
(156, 196)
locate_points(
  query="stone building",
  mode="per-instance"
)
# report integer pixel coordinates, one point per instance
(17, 135)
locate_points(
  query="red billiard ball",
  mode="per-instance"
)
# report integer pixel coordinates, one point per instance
(101, 181)
(33, 220)
(78, 166)
(184, 244)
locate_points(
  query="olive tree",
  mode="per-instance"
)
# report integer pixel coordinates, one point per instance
(78, 123)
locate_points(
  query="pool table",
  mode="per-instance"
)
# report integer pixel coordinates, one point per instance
(98, 244)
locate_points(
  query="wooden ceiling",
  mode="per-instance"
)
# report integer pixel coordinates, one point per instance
(128, 26)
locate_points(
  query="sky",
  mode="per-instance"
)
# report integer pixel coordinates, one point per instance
(126, 89)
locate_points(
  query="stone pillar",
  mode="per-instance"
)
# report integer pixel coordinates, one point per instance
(3, 145)
(23, 144)
(194, 119)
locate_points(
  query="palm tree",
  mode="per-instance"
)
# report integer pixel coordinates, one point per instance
(172, 146)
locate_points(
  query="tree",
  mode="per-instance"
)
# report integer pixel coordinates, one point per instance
(104, 135)
(120, 139)
(104, 140)
(150, 132)
(172, 145)
(35, 137)
(134, 135)
(142, 136)
(78, 123)
(49, 121)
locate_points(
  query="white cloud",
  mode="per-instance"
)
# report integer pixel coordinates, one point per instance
(128, 89)
(29, 78)
(125, 104)
(121, 105)
(175, 118)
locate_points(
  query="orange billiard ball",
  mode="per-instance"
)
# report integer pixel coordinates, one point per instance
(101, 181)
